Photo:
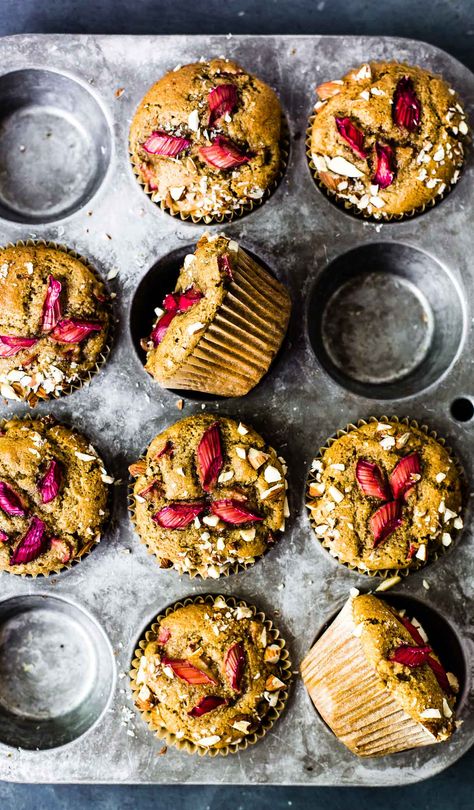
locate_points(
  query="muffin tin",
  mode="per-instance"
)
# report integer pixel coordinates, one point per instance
(381, 323)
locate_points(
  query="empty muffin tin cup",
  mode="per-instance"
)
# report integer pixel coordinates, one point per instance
(57, 672)
(55, 146)
(386, 320)
(447, 642)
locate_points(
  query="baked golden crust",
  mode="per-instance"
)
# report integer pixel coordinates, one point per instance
(341, 512)
(427, 157)
(416, 688)
(202, 635)
(74, 518)
(250, 475)
(178, 104)
(48, 367)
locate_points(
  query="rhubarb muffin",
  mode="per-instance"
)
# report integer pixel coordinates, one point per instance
(54, 322)
(388, 139)
(53, 496)
(206, 140)
(211, 675)
(377, 682)
(209, 496)
(385, 496)
(220, 329)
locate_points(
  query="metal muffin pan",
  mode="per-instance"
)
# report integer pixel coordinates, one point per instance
(381, 324)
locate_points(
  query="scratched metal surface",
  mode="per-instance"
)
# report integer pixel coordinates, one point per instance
(297, 233)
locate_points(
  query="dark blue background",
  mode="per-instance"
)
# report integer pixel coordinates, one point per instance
(447, 23)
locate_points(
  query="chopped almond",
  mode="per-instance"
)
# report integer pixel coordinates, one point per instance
(329, 89)
(137, 468)
(257, 457)
(273, 683)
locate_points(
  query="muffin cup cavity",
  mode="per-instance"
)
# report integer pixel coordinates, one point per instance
(239, 210)
(87, 548)
(55, 146)
(433, 555)
(386, 320)
(238, 348)
(85, 377)
(57, 687)
(270, 717)
(370, 721)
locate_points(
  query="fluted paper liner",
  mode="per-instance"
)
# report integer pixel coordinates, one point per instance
(238, 209)
(348, 207)
(269, 718)
(352, 699)
(433, 554)
(84, 377)
(240, 343)
(88, 547)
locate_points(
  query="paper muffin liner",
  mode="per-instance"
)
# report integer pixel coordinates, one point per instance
(350, 208)
(352, 699)
(269, 718)
(85, 377)
(239, 345)
(243, 208)
(90, 545)
(433, 554)
(202, 571)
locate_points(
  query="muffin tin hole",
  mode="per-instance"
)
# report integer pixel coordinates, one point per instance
(55, 146)
(157, 282)
(56, 672)
(386, 320)
(462, 409)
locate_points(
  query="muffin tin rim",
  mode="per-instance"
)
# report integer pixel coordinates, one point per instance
(407, 776)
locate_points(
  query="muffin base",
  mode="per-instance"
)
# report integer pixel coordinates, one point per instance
(386, 573)
(273, 712)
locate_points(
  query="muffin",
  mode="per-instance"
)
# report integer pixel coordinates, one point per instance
(210, 676)
(385, 496)
(388, 139)
(205, 140)
(54, 322)
(220, 329)
(209, 496)
(53, 496)
(376, 681)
